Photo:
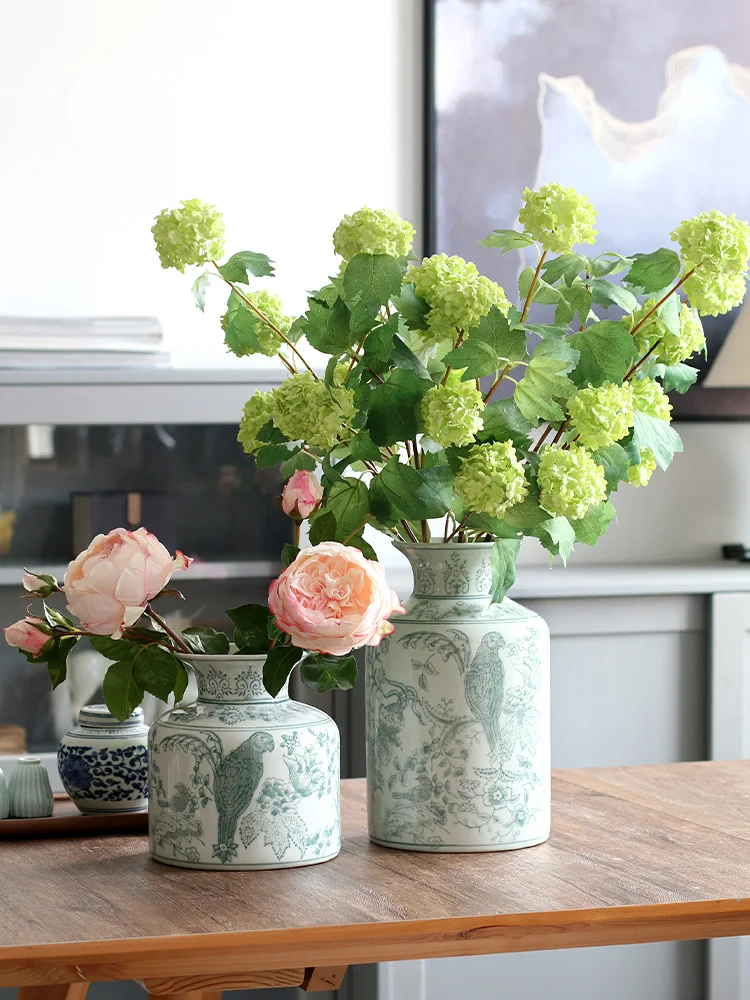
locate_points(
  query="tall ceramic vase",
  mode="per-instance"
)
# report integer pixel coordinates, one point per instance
(458, 743)
(240, 780)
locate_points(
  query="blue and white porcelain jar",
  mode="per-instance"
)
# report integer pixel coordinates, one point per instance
(103, 763)
(241, 780)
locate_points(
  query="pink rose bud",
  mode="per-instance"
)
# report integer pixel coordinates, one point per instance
(109, 585)
(302, 495)
(26, 636)
(332, 600)
(40, 585)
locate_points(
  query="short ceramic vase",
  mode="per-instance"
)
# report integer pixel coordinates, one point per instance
(241, 780)
(29, 790)
(103, 763)
(458, 741)
(4, 797)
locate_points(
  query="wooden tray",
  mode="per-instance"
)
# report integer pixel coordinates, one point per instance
(67, 821)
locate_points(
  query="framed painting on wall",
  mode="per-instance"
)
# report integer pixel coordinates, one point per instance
(646, 112)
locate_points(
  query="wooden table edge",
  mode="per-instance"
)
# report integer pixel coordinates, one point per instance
(355, 944)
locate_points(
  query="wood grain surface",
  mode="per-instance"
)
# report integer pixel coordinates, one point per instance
(67, 821)
(636, 854)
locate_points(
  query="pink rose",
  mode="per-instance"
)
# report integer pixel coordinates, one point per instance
(302, 495)
(109, 585)
(332, 600)
(24, 635)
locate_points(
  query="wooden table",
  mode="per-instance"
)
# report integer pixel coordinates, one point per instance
(636, 854)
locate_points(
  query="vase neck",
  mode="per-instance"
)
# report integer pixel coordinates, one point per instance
(451, 571)
(233, 680)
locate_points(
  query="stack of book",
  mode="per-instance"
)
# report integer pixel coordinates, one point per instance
(89, 342)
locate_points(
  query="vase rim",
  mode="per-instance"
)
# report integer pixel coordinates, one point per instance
(223, 657)
(406, 546)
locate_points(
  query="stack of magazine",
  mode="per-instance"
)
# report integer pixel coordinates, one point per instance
(89, 342)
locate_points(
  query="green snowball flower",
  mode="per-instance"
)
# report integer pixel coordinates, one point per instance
(558, 217)
(639, 475)
(649, 397)
(273, 309)
(457, 294)
(452, 414)
(715, 294)
(258, 410)
(373, 230)
(570, 481)
(714, 242)
(491, 479)
(672, 347)
(306, 410)
(602, 415)
(193, 234)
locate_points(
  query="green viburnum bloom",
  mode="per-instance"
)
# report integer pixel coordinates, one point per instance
(452, 414)
(306, 410)
(491, 479)
(558, 217)
(258, 410)
(639, 475)
(193, 234)
(649, 397)
(273, 309)
(673, 347)
(373, 230)
(457, 294)
(715, 294)
(714, 242)
(602, 415)
(570, 481)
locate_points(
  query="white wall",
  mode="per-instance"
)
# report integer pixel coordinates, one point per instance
(284, 114)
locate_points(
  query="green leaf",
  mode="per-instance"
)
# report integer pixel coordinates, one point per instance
(114, 649)
(205, 640)
(379, 343)
(198, 288)
(436, 490)
(653, 271)
(658, 435)
(250, 627)
(527, 515)
(372, 278)
(590, 528)
(560, 348)
(321, 672)
(396, 493)
(363, 448)
(288, 554)
(122, 694)
(271, 454)
(240, 336)
(669, 314)
(279, 664)
(328, 329)
(404, 357)
(155, 670)
(413, 308)
(504, 555)
(503, 421)
(492, 525)
(545, 294)
(364, 316)
(606, 353)
(347, 500)
(322, 527)
(241, 265)
(610, 263)
(679, 377)
(392, 415)
(489, 346)
(557, 536)
(567, 266)
(181, 682)
(57, 659)
(55, 618)
(506, 239)
(607, 294)
(364, 547)
(576, 298)
(538, 391)
(614, 460)
(297, 462)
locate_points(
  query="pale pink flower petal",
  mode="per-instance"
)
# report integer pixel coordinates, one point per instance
(302, 495)
(24, 635)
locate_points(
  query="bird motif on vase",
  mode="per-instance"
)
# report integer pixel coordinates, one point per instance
(484, 687)
(236, 780)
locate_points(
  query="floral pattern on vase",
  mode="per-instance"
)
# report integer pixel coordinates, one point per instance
(248, 781)
(458, 716)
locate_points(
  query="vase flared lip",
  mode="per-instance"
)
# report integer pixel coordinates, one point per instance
(407, 546)
(222, 657)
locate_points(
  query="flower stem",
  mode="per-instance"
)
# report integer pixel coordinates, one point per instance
(409, 532)
(661, 301)
(543, 438)
(358, 530)
(459, 528)
(643, 360)
(532, 286)
(181, 645)
(459, 340)
(497, 382)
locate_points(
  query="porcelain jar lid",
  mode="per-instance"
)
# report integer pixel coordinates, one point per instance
(100, 715)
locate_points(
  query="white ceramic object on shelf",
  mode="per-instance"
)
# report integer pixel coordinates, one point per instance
(241, 780)
(29, 790)
(4, 797)
(458, 740)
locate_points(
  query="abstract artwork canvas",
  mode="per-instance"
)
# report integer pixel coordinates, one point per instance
(644, 107)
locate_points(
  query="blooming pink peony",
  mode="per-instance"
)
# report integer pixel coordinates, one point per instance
(332, 600)
(301, 496)
(109, 585)
(24, 635)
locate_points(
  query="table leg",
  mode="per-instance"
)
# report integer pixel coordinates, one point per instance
(318, 979)
(66, 991)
